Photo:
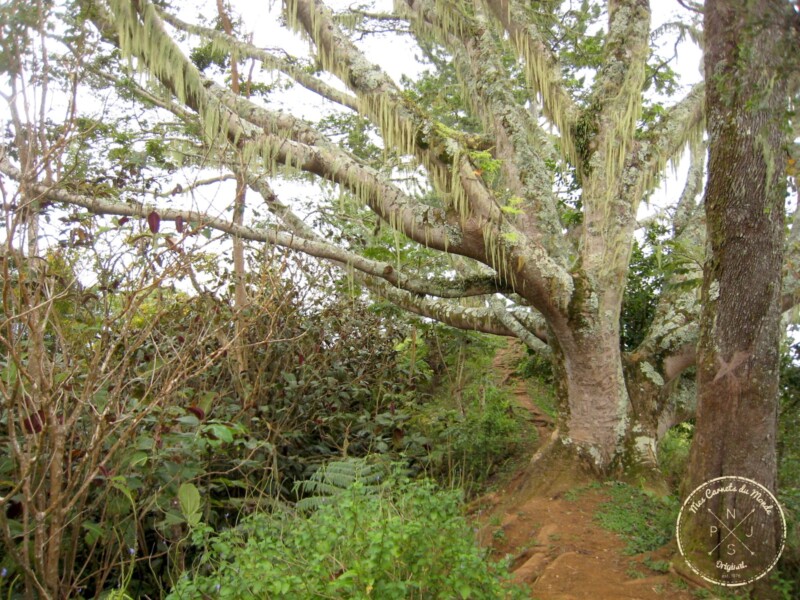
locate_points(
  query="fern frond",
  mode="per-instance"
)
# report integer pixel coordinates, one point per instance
(335, 477)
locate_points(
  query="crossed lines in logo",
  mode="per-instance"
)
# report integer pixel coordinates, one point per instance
(731, 532)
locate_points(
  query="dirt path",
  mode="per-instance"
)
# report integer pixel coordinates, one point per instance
(546, 524)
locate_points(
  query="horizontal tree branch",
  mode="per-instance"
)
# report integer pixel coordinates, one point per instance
(468, 318)
(440, 287)
(271, 138)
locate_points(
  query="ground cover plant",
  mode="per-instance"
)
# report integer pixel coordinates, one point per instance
(373, 535)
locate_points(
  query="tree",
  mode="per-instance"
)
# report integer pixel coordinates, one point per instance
(738, 361)
(532, 186)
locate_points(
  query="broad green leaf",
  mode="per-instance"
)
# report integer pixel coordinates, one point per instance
(221, 432)
(189, 498)
(138, 459)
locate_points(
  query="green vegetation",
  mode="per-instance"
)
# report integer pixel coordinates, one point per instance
(177, 448)
(786, 578)
(472, 442)
(467, 428)
(645, 521)
(673, 452)
(177, 420)
(382, 539)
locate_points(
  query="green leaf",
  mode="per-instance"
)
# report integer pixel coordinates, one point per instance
(189, 498)
(221, 432)
(138, 459)
(93, 532)
(119, 482)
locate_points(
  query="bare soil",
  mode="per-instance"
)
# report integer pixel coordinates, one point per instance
(543, 518)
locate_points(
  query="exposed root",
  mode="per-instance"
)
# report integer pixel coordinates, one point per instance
(545, 449)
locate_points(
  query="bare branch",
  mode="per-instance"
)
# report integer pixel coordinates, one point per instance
(514, 324)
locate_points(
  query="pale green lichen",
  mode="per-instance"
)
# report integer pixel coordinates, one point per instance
(713, 291)
(651, 374)
(646, 448)
(623, 407)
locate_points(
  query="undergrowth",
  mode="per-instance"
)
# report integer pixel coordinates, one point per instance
(470, 427)
(383, 538)
(643, 520)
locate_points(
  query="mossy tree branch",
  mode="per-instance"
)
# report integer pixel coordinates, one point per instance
(440, 286)
(542, 70)
(287, 66)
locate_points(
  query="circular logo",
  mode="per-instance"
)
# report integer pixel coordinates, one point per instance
(731, 531)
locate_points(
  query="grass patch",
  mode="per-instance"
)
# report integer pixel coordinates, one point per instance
(658, 566)
(576, 493)
(643, 520)
(543, 396)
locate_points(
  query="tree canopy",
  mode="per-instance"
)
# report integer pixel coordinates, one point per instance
(499, 191)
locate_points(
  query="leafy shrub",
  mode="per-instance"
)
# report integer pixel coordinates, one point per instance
(488, 434)
(401, 539)
(142, 391)
(535, 365)
(470, 441)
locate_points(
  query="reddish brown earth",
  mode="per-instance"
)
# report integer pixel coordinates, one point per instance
(543, 518)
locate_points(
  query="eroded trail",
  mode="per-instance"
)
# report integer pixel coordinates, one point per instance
(546, 524)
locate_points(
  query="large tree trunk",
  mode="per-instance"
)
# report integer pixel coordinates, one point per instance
(738, 353)
(594, 400)
(615, 408)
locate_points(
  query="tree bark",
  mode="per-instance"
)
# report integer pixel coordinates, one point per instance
(738, 352)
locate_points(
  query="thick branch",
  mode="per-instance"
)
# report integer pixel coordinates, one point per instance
(271, 140)
(514, 324)
(440, 287)
(616, 100)
(472, 319)
(684, 123)
(521, 146)
(687, 207)
(671, 340)
(402, 125)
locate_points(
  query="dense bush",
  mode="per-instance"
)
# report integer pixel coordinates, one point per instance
(469, 426)
(145, 392)
(141, 389)
(397, 539)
